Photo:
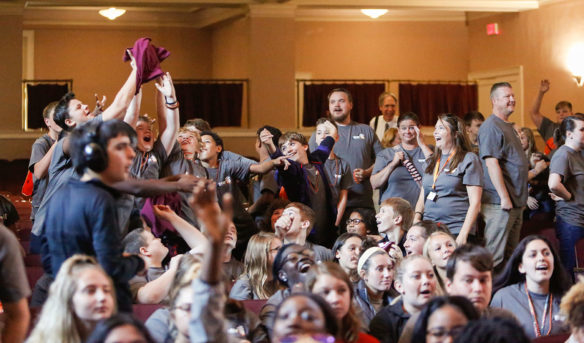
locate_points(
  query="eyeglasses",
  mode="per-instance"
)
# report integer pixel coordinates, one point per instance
(442, 332)
(354, 221)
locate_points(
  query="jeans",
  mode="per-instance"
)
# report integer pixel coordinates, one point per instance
(568, 235)
(502, 229)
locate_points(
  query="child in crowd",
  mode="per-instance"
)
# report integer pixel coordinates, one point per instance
(257, 281)
(81, 295)
(362, 222)
(294, 226)
(418, 234)
(416, 283)
(438, 248)
(304, 178)
(393, 221)
(330, 281)
(120, 328)
(374, 291)
(153, 287)
(347, 249)
(338, 171)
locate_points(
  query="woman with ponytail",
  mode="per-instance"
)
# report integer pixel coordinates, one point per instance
(452, 181)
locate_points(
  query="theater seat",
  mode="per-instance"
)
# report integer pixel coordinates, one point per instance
(550, 234)
(552, 339)
(143, 311)
(33, 274)
(579, 250)
(254, 306)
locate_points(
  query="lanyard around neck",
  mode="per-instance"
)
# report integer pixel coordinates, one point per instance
(548, 304)
(438, 170)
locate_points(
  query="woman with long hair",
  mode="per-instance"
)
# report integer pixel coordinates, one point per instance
(566, 183)
(442, 319)
(346, 251)
(532, 285)
(438, 248)
(81, 295)
(452, 181)
(257, 280)
(331, 282)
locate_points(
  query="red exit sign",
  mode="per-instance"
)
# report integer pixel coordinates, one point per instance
(493, 29)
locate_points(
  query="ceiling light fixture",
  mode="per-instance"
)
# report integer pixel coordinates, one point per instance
(112, 13)
(575, 63)
(373, 13)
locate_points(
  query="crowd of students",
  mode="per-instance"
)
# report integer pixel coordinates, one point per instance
(123, 215)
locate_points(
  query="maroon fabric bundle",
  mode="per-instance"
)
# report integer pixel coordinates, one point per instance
(148, 58)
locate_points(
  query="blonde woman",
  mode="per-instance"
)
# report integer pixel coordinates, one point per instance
(81, 295)
(257, 281)
(438, 248)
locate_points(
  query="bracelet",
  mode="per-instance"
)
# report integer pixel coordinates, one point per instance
(168, 103)
(172, 106)
(420, 213)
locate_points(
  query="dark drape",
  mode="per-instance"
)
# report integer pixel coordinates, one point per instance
(365, 105)
(430, 100)
(39, 96)
(218, 103)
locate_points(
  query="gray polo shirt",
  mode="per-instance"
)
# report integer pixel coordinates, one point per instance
(499, 140)
(400, 182)
(39, 149)
(357, 145)
(569, 164)
(451, 203)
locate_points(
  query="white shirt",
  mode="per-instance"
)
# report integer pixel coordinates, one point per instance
(381, 127)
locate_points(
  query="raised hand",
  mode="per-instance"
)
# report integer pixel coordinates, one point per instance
(544, 86)
(132, 59)
(163, 212)
(166, 87)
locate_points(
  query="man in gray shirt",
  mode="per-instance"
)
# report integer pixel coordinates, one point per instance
(505, 168)
(357, 145)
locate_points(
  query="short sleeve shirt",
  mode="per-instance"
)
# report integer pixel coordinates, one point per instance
(148, 165)
(338, 174)
(13, 282)
(569, 164)
(357, 145)
(400, 182)
(497, 139)
(451, 203)
(39, 149)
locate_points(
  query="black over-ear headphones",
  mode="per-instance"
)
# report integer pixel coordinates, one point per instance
(93, 153)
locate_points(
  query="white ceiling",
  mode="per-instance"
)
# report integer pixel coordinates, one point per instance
(206, 13)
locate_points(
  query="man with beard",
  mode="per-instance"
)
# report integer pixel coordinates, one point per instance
(357, 145)
(291, 267)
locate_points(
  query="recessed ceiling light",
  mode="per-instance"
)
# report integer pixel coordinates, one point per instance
(373, 13)
(112, 13)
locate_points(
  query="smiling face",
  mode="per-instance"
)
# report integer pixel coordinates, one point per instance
(348, 254)
(294, 150)
(189, 143)
(388, 108)
(356, 224)
(379, 275)
(503, 100)
(144, 136)
(336, 293)
(78, 113)
(415, 240)
(231, 236)
(439, 250)
(407, 132)
(537, 263)
(209, 149)
(298, 315)
(119, 160)
(340, 107)
(445, 324)
(468, 282)
(297, 264)
(93, 299)
(418, 284)
(443, 136)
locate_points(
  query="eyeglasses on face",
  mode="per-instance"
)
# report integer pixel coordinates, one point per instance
(354, 221)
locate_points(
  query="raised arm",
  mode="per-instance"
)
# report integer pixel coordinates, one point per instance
(168, 114)
(192, 236)
(422, 144)
(133, 111)
(149, 188)
(496, 175)
(534, 112)
(118, 107)
(41, 168)
(155, 291)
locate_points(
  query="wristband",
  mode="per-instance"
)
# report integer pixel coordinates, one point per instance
(172, 106)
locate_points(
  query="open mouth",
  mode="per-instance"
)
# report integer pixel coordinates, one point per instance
(425, 292)
(304, 266)
(147, 139)
(542, 268)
